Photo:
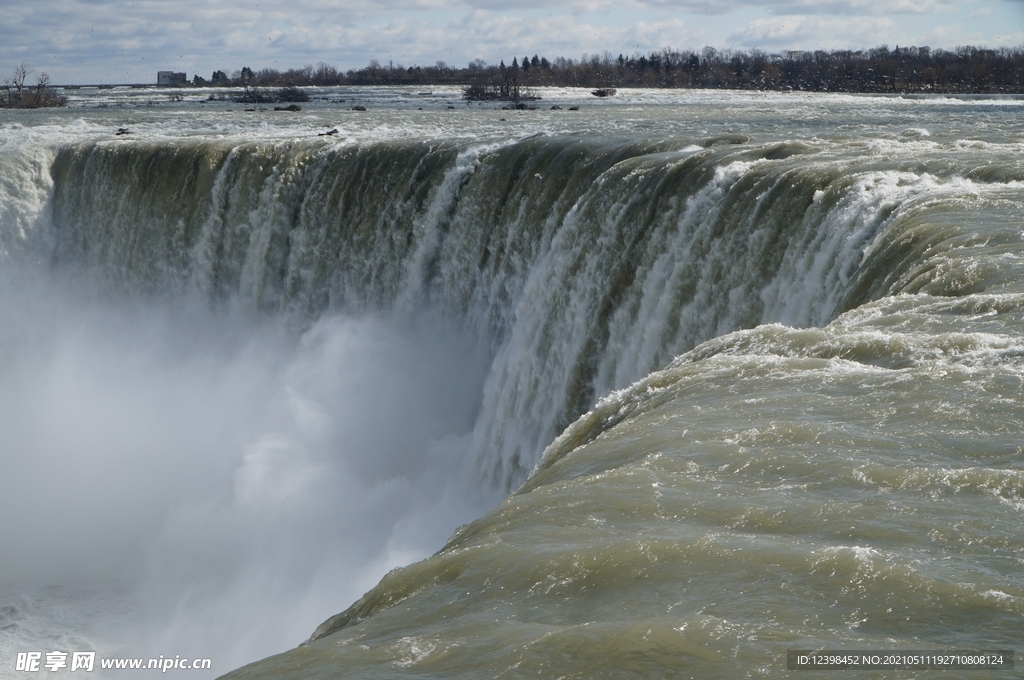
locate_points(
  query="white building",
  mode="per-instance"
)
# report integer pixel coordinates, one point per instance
(170, 78)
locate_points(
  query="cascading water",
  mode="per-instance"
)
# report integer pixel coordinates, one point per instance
(582, 266)
(317, 346)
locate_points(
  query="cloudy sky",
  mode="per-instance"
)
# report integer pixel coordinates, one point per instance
(99, 41)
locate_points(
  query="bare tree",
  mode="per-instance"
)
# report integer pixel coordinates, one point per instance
(42, 86)
(326, 74)
(18, 95)
(21, 72)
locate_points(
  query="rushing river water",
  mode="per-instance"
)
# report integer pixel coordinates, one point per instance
(746, 369)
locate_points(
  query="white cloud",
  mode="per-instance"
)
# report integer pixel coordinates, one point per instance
(500, 36)
(858, 7)
(813, 32)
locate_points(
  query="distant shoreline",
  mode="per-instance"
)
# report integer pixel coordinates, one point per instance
(194, 88)
(965, 70)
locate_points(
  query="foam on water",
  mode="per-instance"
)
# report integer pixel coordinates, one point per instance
(773, 489)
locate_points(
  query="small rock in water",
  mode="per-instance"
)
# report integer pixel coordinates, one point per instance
(358, 107)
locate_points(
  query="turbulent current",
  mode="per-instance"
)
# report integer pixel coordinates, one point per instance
(746, 370)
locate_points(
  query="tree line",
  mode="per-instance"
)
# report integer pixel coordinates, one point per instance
(964, 70)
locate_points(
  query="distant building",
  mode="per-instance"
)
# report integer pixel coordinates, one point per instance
(170, 78)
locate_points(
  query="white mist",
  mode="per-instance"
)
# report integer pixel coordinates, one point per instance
(182, 482)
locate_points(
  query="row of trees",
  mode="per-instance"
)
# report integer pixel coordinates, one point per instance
(903, 69)
(17, 93)
(907, 69)
(253, 93)
(322, 74)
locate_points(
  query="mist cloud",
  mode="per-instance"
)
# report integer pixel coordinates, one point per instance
(224, 473)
